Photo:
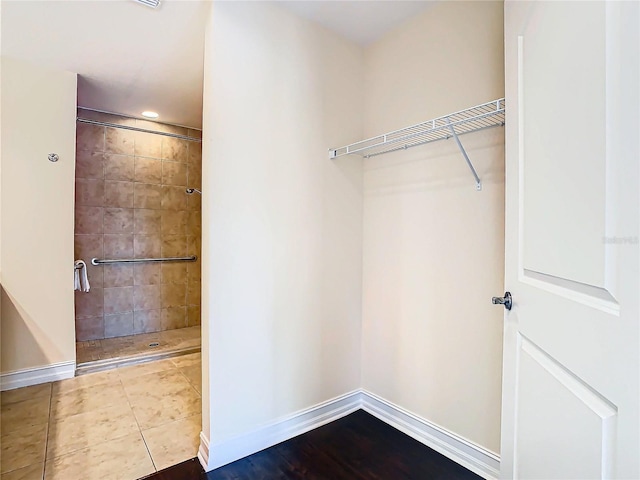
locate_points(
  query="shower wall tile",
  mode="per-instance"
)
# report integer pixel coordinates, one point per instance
(118, 167)
(89, 164)
(118, 220)
(193, 293)
(194, 223)
(118, 275)
(194, 134)
(147, 196)
(174, 222)
(147, 321)
(193, 315)
(118, 246)
(174, 173)
(148, 170)
(195, 154)
(118, 194)
(194, 245)
(118, 325)
(90, 137)
(194, 202)
(91, 328)
(147, 297)
(147, 274)
(94, 272)
(175, 149)
(89, 304)
(88, 219)
(147, 246)
(88, 246)
(119, 141)
(174, 198)
(118, 300)
(174, 295)
(174, 245)
(174, 317)
(89, 192)
(194, 176)
(147, 145)
(174, 273)
(131, 202)
(147, 221)
(174, 129)
(194, 271)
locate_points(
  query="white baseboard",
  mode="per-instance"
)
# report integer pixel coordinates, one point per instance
(468, 454)
(460, 450)
(33, 376)
(214, 456)
(203, 451)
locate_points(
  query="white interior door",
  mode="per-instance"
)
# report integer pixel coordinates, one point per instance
(571, 360)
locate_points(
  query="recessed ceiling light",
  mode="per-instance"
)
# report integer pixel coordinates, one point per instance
(150, 114)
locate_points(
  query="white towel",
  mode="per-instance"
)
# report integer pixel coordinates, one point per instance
(80, 278)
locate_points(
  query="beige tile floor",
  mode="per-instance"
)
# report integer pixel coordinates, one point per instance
(137, 345)
(122, 424)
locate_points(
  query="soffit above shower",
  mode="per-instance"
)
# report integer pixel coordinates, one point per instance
(129, 57)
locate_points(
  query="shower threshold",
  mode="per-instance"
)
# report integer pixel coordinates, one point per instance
(98, 355)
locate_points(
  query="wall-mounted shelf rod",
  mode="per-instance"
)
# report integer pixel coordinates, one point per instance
(474, 119)
(104, 261)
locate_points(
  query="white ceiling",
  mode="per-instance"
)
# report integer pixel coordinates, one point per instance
(132, 58)
(362, 21)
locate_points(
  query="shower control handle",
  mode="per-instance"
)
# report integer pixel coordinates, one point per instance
(506, 300)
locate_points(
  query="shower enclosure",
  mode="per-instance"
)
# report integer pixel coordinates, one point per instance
(138, 228)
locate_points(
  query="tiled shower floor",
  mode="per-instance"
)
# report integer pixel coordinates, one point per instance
(133, 347)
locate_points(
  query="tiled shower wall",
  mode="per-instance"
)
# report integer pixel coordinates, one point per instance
(131, 203)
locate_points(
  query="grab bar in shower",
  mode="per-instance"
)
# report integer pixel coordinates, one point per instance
(104, 261)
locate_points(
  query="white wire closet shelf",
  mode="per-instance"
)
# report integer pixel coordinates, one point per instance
(474, 119)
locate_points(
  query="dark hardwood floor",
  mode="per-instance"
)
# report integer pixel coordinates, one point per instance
(358, 447)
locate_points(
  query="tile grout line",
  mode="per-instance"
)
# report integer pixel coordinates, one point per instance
(144, 440)
(74, 451)
(189, 381)
(46, 439)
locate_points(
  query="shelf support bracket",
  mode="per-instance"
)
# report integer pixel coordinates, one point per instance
(466, 157)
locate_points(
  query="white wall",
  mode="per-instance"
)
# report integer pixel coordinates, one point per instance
(433, 246)
(37, 198)
(282, 247)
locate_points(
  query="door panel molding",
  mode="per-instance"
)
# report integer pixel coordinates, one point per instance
(588, 295)
(582, 390)
(598, 414)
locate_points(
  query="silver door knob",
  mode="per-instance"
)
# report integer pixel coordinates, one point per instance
(506, 300)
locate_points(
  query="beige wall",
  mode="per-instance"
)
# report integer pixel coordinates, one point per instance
(283, 245)
(131, 202)
(433, 245)
(38, 118)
